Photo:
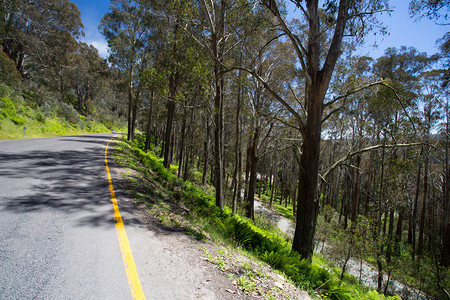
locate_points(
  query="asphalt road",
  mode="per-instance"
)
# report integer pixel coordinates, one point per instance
(57, 234)
(58, 238)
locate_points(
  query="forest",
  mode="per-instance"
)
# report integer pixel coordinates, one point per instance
(353, 149)
(51, 83)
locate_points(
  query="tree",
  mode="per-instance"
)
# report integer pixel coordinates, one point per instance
(317, 61)
(32, 33)
(431, 9)
(127, 36)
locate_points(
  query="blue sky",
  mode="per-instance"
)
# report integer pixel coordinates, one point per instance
(404, 31)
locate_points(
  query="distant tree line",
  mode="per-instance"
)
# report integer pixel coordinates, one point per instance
(42, 55)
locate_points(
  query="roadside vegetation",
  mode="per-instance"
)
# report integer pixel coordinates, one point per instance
(50, 83)
(25, 114)
(191, 207)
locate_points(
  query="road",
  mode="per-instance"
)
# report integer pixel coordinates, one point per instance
(58, 237)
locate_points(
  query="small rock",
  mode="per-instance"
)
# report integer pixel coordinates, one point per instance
(231, 291)
(279, 285)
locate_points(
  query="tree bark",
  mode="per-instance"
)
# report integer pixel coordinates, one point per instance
(169, 125)
(130, 103)
(356, 189)
(315, 94)
(206, 153)
(445, 250)
(134, 114)
(254, 158)
(424, 206)
(173, 86)
(148, 138)
(237, 145)
(182, 145)
(414, 214)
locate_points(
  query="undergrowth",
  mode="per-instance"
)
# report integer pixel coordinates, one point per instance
(21, 116)
(208, 220)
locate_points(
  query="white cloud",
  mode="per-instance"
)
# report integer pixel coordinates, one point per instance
(101, 46)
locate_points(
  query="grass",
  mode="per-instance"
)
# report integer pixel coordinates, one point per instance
(188, 206)
(20, 119)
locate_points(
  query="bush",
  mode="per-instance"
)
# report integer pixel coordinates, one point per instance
(8, 72)
(8, 111)
(69, 113)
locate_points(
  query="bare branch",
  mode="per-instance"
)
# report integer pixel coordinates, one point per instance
(335, 110)
(275, 95)
(298, 47)
(371, 148)
(298, 101)
(380, 82)
(401, 103)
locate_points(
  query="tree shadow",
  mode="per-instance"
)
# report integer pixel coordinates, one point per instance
(72, 182)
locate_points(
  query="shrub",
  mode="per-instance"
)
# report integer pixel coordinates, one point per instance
(8, 111)
(69, 113)
(8, 71)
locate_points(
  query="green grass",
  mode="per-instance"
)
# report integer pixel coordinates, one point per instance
(19, 120)
(207, 220)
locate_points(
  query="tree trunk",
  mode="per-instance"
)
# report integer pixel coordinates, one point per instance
(414, 213)
(169, 125)
(356, 189)
(390, 236)
(130, 103)
(294, 197)
(237, 145)
(182, 146)
(424, 206)
(254, 158)
(134, 114)
(173, 85)
(149, 124)
(274, 180)
(398, 233)
(206, 153)
(380, 274)
(308, 174)
(445, 250)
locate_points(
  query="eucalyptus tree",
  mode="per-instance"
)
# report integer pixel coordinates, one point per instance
(87, 75)
(217, 37)
(32, 33)
(273, 63)
(127, 35)
(338, 19)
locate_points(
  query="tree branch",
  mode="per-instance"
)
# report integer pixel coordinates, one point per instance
(298, 47)
(275, 95)
(371, 148)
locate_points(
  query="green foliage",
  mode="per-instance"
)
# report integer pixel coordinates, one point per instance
(281, 261)
(8, 72)
(22, 117)
(69, 113)
(8, 111)
(267, 245)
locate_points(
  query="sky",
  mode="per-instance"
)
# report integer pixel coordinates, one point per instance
(403, 30)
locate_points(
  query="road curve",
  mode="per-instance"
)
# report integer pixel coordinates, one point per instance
(57, 237)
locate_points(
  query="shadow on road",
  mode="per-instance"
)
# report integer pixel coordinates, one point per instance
(68, 181)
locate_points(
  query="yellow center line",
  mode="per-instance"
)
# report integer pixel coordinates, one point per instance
(127, 256)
